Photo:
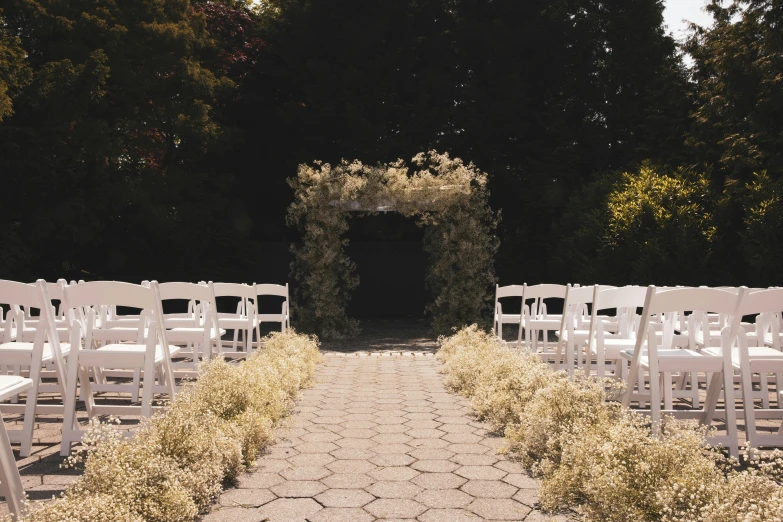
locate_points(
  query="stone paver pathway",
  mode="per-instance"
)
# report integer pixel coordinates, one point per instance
(380, 438)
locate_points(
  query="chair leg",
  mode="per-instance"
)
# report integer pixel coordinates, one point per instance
(148, 390)
(731, 413)
(748, 404)
(69, 408)
(655, 396)
(136, 385)
(29, 409)
(667, 391)
(764, 384)
(10, 482)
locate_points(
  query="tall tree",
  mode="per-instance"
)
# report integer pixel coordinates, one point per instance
(738, 67)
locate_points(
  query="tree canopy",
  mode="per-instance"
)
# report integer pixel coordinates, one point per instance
(154, 138)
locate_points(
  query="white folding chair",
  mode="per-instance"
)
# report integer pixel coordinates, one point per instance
(750, 356)
(501, 318)
(10, 481)
(151, 354)
(195, 332)
(284, 317)
(664, 360)
(611, 339)
(536, 319)
(244, 320)
(45, 348)
(575, 331)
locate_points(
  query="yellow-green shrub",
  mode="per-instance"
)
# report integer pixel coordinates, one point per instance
(174, 466)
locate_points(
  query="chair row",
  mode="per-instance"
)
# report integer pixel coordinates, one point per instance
(114, 337)
(683, 338)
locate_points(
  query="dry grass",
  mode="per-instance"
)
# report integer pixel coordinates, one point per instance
(176, 464)
(598, 459)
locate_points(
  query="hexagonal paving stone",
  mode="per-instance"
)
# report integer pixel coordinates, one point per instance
(422, 424)
(471, 459)
(521, 480)
(447, 515)
(310, 459)
(431, 453)
(348, 480)
(344, 498)
(285, 509)
(356, 443)
(305, 473)
(528, 497)
(457, 428)
(392, 459)
(425, 433)
(391, 438)
(481, 473)
(234, 514)
(246, 497)
(394, 473)
(444, 498)
(327, 436)
(359, 433)
(359, 425)
(316, 447)
(341, 515)
(385, 449)
(353, 454)
(298, 488)
(351, 466)
(489, 489)
(468, 448)
(462, 438)
(392, 428)
(259, 480)
(435, 466)
(439, 480)
(387, 508)
(499, 509)
(394, 489)
(428, 443)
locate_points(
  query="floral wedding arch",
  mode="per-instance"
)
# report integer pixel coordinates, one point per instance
(446, 195)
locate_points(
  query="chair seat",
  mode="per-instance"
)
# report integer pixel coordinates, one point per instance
(11, 385)
(8, 350)
(550, 323)
(579, 335)
(759, 356)
(237, 323)
(677, 360)
(179, 334)
(122, 355)
(614, 348)
(506, 318)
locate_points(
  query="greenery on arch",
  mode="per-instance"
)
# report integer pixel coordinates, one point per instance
(444, 194)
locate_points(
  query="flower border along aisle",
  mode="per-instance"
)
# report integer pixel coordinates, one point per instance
(595, 457)
(174, 466)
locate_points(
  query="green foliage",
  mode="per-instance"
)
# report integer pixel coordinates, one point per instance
(596, 458)
(652, 225)
(175, 465)
(446, 194)
(762, 241)
(738, 69)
